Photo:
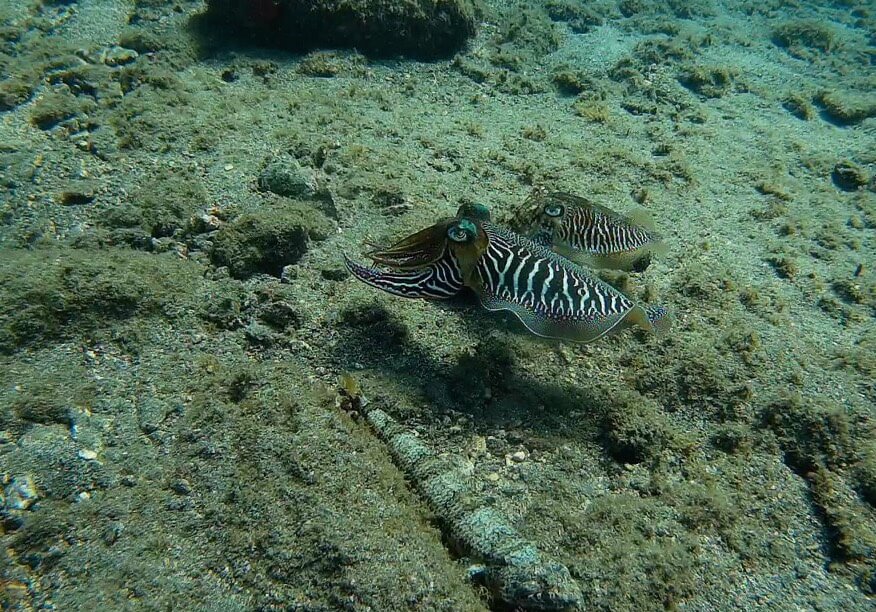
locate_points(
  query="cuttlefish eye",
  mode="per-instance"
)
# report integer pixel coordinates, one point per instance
(462, 231)
(554, 210)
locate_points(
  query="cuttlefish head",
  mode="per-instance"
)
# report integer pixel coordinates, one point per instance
(434, 263)
(541, 217)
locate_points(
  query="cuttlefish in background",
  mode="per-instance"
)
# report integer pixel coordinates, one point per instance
(553, 296)
(588, 233)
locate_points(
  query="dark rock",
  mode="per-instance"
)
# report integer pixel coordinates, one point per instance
(417, 28)
(78, 194)
(267, 240)
(849, 176)
(287, 178)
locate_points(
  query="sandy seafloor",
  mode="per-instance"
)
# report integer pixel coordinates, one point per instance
(170, 432)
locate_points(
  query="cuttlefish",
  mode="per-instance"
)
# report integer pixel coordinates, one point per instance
(551, 295)
(589, 233)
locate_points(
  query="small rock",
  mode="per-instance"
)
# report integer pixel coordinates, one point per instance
(181, 487)
(518, 456)
(87, 454)
(112, 532)
(289, 273)
(259, 335)
(280, 315)
(20, 493)
(119, 56)
(78, 194)
(287, 178)
(83, 496)
(205, 223)
(849, 176)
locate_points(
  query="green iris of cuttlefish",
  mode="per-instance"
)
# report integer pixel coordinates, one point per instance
(551, 295)
(588, 233)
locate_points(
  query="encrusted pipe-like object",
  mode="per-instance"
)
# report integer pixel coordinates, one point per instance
(513, 569)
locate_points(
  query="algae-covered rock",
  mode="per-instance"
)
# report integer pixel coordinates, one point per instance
(418, 28)
(800, 35)
(708, 81)
(847, 108)
(50, 294)
(269, 239)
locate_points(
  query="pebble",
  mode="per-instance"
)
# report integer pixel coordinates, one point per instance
(119, 56)
(181, 487)
(287, 178)
(87, 454)
(518, 456)
(20, 493)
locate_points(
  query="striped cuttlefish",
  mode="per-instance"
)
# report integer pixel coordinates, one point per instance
(589, 233)
(552, 296)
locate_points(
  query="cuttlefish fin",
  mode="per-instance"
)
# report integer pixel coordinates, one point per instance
(575, 330)
(635, 260)
(642, 218)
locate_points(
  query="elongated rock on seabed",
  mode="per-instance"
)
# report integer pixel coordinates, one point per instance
(424, 29)
(514, 571)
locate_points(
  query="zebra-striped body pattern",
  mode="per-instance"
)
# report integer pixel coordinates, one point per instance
(551, 295)
(589, 233)
(520, 275)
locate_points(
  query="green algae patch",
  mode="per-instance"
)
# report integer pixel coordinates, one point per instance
(51, 294)
(267, 240)
(417, 28)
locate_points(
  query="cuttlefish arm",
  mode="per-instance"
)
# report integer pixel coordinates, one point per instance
(440, 280)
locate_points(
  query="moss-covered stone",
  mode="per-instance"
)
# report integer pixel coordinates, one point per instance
(419, 28)
(580, 17)
(799, 106)
(633, 428)
(708, 81)
(15, 91)
(54, 400)
(267, 240)
(849, 176)
(51, 294)
(847, 108)
(162, 206)
(799, 35)
(57, 106)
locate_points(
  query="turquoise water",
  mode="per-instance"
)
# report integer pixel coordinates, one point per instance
(202, 407)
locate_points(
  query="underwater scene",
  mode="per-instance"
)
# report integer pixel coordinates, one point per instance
(452, 305)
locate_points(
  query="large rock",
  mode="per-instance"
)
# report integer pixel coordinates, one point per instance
(416, 28)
